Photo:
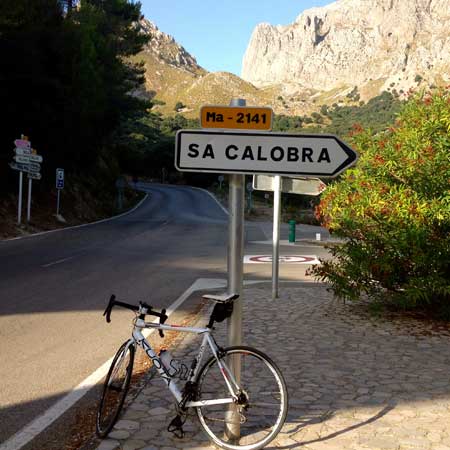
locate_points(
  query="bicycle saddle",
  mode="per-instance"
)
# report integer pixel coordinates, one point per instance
(221, 298)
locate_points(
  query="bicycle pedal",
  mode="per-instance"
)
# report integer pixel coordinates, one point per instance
(176, 427)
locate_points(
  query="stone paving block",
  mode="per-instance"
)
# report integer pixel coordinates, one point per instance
(108, 444)
(355, 382)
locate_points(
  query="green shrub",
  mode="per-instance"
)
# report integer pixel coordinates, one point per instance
(393, 209)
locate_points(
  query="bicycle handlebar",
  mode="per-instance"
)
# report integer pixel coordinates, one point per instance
(113, 302)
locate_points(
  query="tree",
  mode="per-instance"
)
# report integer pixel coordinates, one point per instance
(65, 78)
(179, 106)
(393, 209)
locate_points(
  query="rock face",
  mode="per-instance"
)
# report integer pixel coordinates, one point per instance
(354, 42)
(166, 49)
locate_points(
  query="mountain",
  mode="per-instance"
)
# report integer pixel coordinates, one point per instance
(373, 44)
(343, 53)
(173, 76)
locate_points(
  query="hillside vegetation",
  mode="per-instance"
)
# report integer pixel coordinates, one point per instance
(65, 80)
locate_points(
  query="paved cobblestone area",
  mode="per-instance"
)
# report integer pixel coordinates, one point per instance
(355, 381)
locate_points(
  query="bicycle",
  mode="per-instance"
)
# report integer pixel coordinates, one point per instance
(245, 412)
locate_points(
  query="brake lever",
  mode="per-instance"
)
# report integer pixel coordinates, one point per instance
(109, 308)
(162, 319)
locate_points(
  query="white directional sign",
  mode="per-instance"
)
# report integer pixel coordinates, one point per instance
(35, 158)
(34, 176)
(20, 166)
(22, 159)
(34, 167)
(22, 151)
(305, 186)
(261, 152)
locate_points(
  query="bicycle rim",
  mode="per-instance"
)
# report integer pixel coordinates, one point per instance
(115, 389)
(256, 422)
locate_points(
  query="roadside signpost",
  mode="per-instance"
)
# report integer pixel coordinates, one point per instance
(59, 187)
(25, 160)
(277, 184)
(220, 178)
(240, 143)
(249, 196)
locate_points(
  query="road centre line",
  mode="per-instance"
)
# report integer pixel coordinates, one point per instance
(30, 431)
(58, 262)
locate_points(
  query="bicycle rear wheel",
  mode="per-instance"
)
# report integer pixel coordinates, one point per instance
(115, 389)
(261, 410)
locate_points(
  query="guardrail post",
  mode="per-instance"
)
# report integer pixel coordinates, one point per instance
(292, 231)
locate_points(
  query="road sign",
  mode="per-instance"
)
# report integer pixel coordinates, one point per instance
(22, 143)
(21, 159)
(305, 186)
(59, 178)
(35, 158)
(236, 117)
(22, 151)
(262, 152)
(283, 259)
(34, 176)
(19, 166)
(34, 167)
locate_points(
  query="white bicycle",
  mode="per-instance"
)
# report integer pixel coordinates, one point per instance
(242, 412)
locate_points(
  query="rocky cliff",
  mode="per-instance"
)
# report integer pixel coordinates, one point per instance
(386, 43)
(165, 49)
(173, 75)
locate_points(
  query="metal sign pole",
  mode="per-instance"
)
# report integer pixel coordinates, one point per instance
(30, 185)
(235, 279)
(276, 234)
(57, 203)
(19, 206)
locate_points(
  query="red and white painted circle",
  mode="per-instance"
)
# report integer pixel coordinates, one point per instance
(283, 259)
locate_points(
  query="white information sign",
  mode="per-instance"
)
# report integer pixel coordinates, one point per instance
(261, 152)
(304, 186)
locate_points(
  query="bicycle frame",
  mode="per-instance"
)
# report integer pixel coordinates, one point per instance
(139, 339)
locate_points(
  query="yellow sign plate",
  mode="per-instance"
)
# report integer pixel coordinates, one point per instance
(236, 117)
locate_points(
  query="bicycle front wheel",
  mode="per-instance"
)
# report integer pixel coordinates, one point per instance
(260, 411)
(115, 389)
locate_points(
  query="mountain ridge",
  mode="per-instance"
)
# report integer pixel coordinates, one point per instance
(354, 42)
(347, 71)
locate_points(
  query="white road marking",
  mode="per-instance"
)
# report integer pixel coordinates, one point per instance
(214, 197)
(39, 424)
(58, 262)
(283, 259)
(80, 226)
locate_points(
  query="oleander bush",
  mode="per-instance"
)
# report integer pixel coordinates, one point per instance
(393, 209)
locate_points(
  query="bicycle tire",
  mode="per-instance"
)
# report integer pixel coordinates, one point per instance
(257, 372)
(115, 389)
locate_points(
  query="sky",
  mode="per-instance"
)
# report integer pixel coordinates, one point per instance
(217, 33)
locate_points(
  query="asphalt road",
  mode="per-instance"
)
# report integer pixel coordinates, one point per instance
(54, 288)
